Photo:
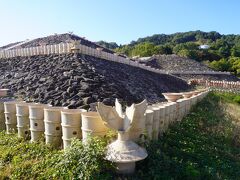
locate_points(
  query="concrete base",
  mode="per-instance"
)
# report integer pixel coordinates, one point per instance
(126, 168)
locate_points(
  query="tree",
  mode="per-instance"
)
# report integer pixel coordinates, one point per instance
(163, 49)
(143, 49)
(235, 51)
(109, 45)
(235, 65)
(221, 65)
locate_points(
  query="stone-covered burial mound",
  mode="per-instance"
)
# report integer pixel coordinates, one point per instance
(66, 80)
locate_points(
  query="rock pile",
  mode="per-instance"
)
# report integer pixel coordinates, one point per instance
(57, 39)
(81, 81)
(177, 63)
(9, 45)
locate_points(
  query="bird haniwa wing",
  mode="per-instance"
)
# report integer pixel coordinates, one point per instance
(118, 108)
(110, 116)
(130, 112)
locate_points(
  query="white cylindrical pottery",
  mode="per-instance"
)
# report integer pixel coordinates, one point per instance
(174, 112)
(193, 100)
(52, 124)
(36, 116)
(149, 123)
(156, 111)
(167, 117)
(162, 119)
(23, 122)
(71, 125)
(92, 125)
(2, 115)
(169, 106)
(2, 118)
(10, 116)
(187, 106)
(181, 108)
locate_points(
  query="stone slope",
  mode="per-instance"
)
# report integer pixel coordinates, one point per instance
(176, 63)
(57, 39)
(81, 81)
(9, 45)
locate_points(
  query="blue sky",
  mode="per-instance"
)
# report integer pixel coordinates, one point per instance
(111, 20)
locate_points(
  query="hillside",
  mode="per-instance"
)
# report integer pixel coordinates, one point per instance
(162, 54)
(55, 39)
(81, 81)
(223, 53)
(174, 62)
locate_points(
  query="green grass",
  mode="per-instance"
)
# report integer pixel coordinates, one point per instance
(202, 146)
(229, 97)
(25, 160)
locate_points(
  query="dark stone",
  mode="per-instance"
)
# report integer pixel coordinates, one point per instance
(87, 106)
(88, 100)
(107, 101)
(70, 90)
(83, 94)
(41, 78)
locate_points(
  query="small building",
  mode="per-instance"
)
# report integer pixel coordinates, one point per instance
(204, 46)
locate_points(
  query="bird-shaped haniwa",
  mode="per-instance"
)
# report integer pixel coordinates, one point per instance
(117, 120)
(123, 151)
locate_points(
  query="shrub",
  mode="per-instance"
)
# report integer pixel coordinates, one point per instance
(237, 99)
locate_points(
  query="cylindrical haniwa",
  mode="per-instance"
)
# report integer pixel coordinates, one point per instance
(36, 116)
(173, 110)
(10, 116)
(2, 116)
(156, 111)
(167, 116)
(181, 108)
(187, 106)
(71, 125)
(52, 124)
(92, 125)
(23, 122)
(162, 119)
(193, 100)
(149, 123)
